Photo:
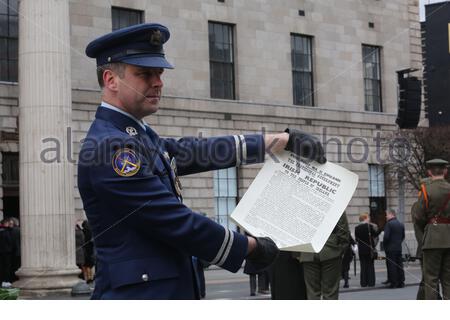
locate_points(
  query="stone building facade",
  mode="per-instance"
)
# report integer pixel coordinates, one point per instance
(263, 82)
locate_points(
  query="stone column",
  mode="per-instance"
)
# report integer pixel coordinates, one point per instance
(46, 179)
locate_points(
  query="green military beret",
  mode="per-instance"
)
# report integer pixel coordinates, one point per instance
(436, 163)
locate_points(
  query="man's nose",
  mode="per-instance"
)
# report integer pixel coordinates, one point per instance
(156, 81)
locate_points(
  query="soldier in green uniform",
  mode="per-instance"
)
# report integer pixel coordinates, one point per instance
(432, 217)
(322, 270)
(418, 233)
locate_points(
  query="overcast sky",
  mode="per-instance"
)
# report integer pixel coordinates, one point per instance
(422, 7)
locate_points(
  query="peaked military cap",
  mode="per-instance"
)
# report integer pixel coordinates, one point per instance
(140, 45)
(436, 163)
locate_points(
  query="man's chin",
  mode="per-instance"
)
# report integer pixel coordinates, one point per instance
(151, 108)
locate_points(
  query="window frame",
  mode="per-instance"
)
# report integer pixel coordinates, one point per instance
(223, 193)
(370, 106)
(218, 88)
(10, 169)
(122, 10)
(299, 70)
(377, 180)
(10, 59)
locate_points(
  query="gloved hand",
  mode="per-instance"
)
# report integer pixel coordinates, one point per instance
(264, 254)
(305, 145)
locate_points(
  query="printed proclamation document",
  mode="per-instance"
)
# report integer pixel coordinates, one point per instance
(295, 203)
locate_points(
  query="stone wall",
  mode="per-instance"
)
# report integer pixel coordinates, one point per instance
(262, 45)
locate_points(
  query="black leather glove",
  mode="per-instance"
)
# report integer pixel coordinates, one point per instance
(264, 254)
(305, 145)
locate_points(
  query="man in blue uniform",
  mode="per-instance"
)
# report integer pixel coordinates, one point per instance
(128, 179)
(394, 234)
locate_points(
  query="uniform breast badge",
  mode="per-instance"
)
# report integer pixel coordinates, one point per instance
(131, 131)
(166, 156)
(177, 183)
(126, 163)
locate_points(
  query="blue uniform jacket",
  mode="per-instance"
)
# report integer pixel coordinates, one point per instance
(143, 234)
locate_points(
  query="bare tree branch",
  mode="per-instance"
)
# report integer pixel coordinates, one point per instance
(410, 149)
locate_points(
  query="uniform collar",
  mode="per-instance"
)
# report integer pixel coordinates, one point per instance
(123, 121)
(111, 107)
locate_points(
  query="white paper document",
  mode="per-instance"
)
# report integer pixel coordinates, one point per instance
(295, 203)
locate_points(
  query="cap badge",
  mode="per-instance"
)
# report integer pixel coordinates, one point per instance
(156, 38)
(131, 131)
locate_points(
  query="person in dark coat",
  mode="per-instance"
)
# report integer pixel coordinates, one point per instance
(16, 256)
(79, 251)
(394, 234)
(89, 252)
(365, 234)
(6, 250)
(347, 260)
(287, 280)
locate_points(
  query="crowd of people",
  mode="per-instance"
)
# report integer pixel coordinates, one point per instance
(10, 254)
(316, 276)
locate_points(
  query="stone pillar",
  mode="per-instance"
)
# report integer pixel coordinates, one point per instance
(46, 179)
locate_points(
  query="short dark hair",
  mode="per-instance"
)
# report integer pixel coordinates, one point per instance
(437, 170)
(117, 67)
(391, 211)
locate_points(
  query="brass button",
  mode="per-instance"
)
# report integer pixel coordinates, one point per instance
(145, 277)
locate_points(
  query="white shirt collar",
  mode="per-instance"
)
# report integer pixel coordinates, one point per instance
(111, 107)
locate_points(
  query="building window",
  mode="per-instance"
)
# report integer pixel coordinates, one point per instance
(376, 180)
(221, 60)
(122, 17)
(225, 196)
(302, 70)
(372, 78)
(377, 195)
(9, 39)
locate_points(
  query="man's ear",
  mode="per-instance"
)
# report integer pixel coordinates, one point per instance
(110, 80)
